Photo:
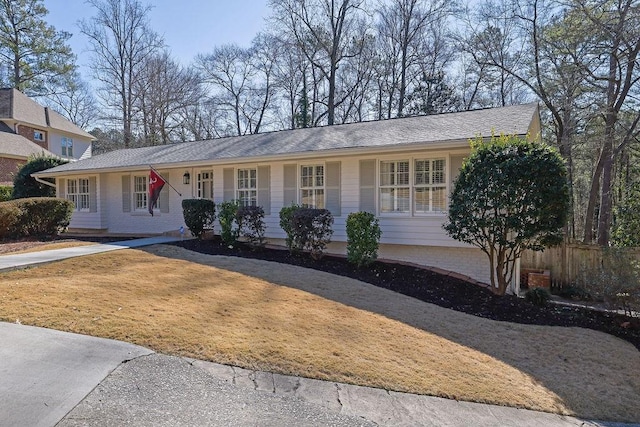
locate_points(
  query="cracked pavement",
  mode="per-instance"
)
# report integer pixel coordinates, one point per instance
(159, 390)
(53, 378)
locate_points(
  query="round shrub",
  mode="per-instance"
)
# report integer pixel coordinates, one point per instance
(199, 215)
(9, 219)
(24, 185)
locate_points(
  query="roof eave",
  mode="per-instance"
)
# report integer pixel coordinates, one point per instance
(331, 153)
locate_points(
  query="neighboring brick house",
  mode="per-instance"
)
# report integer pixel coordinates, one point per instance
(14, 152)
(42, 126)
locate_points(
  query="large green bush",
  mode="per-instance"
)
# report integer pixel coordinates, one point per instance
(363, 238)
(511, 195)
(286, 223)
(38, 216)
(199, 215)
(24, 185)
(228, 224)
(312, 229)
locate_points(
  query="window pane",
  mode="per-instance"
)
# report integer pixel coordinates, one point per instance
(421, 199)
(439, 199)
(438, 172)
(403, 173)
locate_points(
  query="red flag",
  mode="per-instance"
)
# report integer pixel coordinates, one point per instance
(156, 182)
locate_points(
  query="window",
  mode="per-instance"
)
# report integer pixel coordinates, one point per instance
(394, 186)
(312, 186)
(430, 186)
(424, 188)
(38, 135)
(140, 192)
(78, 193)
(205, 185)
(248, 187)
(67, 146)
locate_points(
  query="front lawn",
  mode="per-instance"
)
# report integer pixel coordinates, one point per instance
(287, 319)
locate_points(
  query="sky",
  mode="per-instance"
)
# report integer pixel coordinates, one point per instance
(189, 27)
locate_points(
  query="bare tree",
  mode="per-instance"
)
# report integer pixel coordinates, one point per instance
(163, 89)
(228, 71)
(121, 42)
(327, 32)
(403, 30)
(75, 101)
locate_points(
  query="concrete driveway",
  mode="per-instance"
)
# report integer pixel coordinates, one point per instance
(50, 378)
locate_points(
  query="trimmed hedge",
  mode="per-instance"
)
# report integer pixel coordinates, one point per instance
(250, 220)
(38, 216)
(312, 230)
(363, 238)
(199, 215)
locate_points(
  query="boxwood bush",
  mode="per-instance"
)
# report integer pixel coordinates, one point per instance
(37, 216)
(363, 238)
(199, 215)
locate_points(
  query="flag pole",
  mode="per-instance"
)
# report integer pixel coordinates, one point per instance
(165, 180)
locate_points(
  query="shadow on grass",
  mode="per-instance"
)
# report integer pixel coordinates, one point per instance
(594, 374)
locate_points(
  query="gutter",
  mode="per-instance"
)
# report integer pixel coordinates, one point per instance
(42, 181)
(330, 153)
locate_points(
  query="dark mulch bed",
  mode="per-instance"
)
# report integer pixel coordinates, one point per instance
(442, 290)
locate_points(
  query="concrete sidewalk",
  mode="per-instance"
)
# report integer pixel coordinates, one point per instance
(52, 378)
(16, 261)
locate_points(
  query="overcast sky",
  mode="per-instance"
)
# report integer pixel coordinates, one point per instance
(189, 27)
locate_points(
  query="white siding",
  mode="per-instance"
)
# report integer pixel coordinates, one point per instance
(81, 146)
(142, 222)
(412, 238)
(87, 220)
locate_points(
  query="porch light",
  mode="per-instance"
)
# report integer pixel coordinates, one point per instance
(186, 178)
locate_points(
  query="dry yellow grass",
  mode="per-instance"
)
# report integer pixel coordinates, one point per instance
(285, 319)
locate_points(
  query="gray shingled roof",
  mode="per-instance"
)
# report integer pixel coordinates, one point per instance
(12, 145)
(375, 134)
(57, 122)
(16, 105)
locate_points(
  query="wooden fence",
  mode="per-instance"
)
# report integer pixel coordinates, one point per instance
(567, 262)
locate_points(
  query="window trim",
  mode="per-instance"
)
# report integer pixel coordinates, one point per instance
(252, 191)
(412, 158)
(201, 182)
(314, 188)
(77, 196)
(66, 146)
(35, 135)
(144, 193)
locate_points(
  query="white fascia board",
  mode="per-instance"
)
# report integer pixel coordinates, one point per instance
(331, 153)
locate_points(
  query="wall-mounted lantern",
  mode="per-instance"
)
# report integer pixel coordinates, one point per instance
(186, 178)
